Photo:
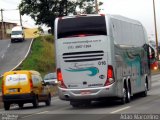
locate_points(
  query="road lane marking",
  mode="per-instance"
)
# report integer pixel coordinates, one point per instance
(24, 56)
(33, 114)
(42, 112)
(116, 111)
(27, 116)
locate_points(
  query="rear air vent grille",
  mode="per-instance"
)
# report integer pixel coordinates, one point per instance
(83, 56)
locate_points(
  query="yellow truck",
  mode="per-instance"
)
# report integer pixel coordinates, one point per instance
(24, 86)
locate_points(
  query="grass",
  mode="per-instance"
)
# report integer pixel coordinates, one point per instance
(41, 57)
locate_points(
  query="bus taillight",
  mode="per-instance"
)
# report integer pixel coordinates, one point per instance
(60, 79)
(110, 76)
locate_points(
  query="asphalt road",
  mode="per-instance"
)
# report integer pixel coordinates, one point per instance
(11, 54)
(139, 108)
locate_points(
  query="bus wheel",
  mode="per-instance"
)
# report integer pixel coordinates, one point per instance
(124, 97)
(144, 93)
(128, 95)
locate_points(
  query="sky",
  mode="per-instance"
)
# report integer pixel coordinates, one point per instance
(11, 14)
(141, 10)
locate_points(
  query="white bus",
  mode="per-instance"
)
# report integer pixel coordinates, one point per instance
(99, 57)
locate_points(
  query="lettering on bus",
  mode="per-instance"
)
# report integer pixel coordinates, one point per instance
(102, 63)
(79, 46)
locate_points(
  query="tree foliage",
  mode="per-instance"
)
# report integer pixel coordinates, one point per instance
(45, 11)
(87, 6)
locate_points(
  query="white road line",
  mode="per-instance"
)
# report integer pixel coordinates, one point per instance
(27, 116)
(24, 57)
(42, 112)
(116, 111)
(33, 114)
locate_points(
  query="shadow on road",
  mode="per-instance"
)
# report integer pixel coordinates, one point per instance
(108, 103)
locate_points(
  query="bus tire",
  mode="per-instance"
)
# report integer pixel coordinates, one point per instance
(128, 98)
(144, 93)
(123, 99)
(128, 95)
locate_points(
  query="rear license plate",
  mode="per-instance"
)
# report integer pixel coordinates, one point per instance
(12, 90)
(85, 92)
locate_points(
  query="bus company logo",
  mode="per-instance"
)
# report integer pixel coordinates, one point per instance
(93, 70)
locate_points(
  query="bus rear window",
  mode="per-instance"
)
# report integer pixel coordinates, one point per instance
(92, 25)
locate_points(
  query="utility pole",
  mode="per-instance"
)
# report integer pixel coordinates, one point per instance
(20, 18)
(155, 24)
(96, 5)
(2, 25)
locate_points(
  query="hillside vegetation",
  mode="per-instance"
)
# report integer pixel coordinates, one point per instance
(41, 57)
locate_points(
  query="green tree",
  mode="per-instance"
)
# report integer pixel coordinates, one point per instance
(45, 11)
(87, 6)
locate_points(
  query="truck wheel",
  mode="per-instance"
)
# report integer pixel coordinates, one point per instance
(35, 102)
(6, 106)
(48, 101)
(20, 105)
(12, 41)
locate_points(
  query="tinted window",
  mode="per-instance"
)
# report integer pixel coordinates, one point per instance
(93, 25)
(16, 32)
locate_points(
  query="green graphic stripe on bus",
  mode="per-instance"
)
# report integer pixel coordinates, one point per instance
(93, 70)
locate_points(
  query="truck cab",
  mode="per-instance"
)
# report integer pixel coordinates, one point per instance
(17, 34)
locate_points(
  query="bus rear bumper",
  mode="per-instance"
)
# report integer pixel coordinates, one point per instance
(88, 94)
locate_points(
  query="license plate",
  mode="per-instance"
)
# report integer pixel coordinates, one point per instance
(12, 90)
(85, 92)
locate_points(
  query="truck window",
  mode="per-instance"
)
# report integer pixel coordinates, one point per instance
(93, 25)
(16, 32)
